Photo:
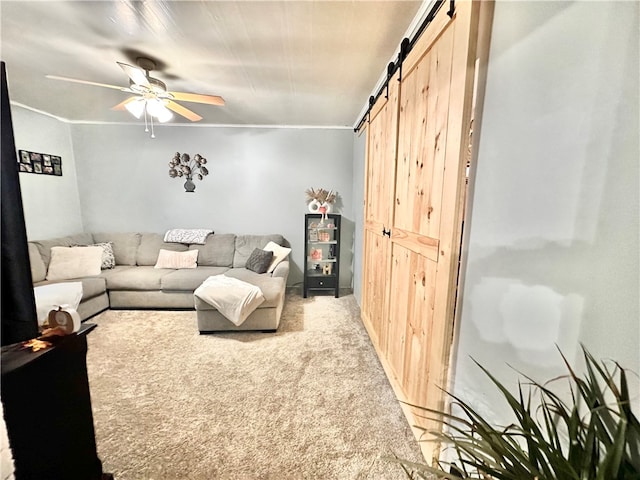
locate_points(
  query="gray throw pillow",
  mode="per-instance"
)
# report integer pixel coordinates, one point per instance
(259, 260)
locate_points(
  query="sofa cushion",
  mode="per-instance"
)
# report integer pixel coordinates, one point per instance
(125, 245)
(44, 246)
(74, 262)
(189, 280)
(92, 286)
(150, 245)
(217, 251)
(38, 268)
(245, 244)
(138, 278)
(177, 260)
(259, 260)
(115, 270)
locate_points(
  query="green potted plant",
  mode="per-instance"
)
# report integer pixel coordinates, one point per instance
(594, 435)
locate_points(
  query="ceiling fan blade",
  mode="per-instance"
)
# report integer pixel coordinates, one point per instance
(137, 75)
(185, 112)
(198, 98)
(121, 105)
(86, 82)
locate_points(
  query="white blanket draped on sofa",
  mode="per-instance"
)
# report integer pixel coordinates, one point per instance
(233, 298)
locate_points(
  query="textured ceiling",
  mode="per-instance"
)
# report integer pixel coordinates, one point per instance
(275, 63)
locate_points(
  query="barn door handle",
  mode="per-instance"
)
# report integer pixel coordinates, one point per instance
(386, 232)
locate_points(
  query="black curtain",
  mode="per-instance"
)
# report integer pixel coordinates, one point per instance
(19, 318)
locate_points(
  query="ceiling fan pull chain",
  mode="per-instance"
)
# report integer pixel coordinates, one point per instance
(146, 125)
(153, 135)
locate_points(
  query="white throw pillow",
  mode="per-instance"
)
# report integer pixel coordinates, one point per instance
(171, 259)
(74, 262)
(279, 254)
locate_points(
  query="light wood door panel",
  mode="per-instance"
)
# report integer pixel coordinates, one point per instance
(379, 194)
(419, 336)
(422, 132)
(375, 291)
(435, 105)
(416, 163)
(381, 157)
(424, 109)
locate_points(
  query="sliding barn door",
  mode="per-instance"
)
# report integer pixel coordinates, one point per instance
(415, 268)
(379, 197)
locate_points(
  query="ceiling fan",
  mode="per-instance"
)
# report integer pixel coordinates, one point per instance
(150, 95)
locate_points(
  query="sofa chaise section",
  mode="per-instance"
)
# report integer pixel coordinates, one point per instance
(266, 317)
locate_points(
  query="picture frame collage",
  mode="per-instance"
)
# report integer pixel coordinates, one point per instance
(39, 163)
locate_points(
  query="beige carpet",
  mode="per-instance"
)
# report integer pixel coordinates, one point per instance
(308, 402)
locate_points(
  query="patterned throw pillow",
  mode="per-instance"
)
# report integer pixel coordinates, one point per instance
(108, 258)
(259, 260)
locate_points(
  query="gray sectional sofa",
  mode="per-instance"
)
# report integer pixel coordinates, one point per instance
(134, 283)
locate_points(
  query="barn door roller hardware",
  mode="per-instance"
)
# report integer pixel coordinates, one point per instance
(405, 48)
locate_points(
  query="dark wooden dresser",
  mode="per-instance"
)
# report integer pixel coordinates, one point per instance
(47, 408)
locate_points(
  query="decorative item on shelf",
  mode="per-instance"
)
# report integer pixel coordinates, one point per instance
(313, 235)
(326, 269)
(332, 251)
(321, 201)
(324, 236)
(185, 166)
(316, 254)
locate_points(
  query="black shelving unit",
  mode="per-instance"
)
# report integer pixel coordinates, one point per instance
(322, 253)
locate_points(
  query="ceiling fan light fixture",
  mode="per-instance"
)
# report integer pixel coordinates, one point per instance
(151, 98)
(156, 108)
(136, 107)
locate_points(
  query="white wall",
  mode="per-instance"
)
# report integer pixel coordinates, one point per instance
(51, 203)
(257, 181)
(551, 246)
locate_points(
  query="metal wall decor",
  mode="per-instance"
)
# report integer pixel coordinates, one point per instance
(40, 163)
(182, 165)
